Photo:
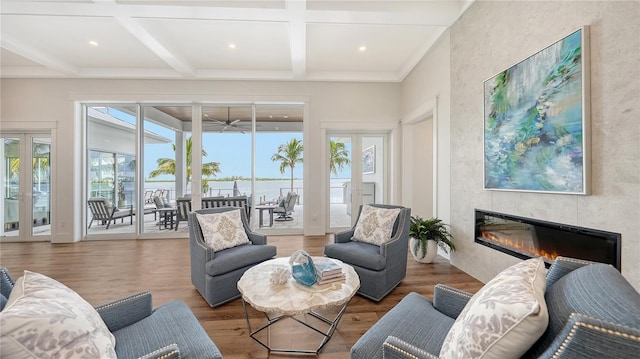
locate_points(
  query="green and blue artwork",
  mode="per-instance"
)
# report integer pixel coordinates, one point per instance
(534, 125)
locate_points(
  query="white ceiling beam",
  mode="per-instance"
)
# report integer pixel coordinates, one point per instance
(171, 58)
(297, 37)
(36, 55)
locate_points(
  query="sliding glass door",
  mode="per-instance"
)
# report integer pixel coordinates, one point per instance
(243, 149)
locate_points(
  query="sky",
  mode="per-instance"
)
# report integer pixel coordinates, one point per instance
(231, 150)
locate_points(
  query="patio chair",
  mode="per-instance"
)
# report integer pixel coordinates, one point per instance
(104, 211)
(183, 206)
(285, 209)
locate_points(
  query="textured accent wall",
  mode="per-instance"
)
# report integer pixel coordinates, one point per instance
(491, 36)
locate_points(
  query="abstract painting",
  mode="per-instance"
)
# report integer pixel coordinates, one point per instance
(535, 121)
(369, 160)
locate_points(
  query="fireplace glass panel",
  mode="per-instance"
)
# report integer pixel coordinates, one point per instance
(526, 238)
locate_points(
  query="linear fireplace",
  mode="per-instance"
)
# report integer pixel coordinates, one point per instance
(526, 238)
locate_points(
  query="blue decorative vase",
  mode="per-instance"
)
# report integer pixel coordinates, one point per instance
(305, 273)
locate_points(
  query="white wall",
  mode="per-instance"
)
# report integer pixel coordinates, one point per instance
(426, 94)
(330, 104)
(491, 36)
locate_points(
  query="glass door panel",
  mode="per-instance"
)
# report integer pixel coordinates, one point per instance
(340, 183)
(41, 184)
(166, 167)
(279, 168)
(111, 153)
(10, 186)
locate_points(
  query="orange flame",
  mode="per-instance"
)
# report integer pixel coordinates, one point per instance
(518, 246)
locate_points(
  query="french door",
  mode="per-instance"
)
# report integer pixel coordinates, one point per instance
(25, 210)
(357, 175)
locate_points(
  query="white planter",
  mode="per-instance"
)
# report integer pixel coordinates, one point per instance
(432, 251)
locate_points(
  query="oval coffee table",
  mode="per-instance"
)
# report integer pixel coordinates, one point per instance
(291, 299)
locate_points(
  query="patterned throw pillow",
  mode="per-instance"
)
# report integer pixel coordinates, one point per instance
(45, 319)
(505, 318)
(222, 230)
(375, 225)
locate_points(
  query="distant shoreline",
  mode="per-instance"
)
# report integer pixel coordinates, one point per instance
(231, 179)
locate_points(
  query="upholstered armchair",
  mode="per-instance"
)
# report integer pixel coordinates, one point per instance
(170, 331)
(215, 274)
(381, 268)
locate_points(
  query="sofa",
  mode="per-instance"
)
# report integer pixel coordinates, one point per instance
(593, 312)
(169, 331)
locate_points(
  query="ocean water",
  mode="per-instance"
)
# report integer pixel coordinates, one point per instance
(268, 190)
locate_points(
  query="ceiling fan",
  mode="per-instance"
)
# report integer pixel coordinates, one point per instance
(231, 124)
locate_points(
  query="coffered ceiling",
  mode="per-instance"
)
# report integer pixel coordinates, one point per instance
(309, 40)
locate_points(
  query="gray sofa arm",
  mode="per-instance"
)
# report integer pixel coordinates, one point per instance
(394, 348)
(583, 336)
(126, 311)
(256, 238)
(449, 301)
(168, 352)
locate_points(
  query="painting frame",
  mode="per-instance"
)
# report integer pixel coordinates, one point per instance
(537, 121)
(369, 160)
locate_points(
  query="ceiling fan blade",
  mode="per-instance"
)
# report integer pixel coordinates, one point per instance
(234, 122)
(220, 122)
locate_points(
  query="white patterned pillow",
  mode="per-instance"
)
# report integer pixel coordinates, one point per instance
(375, 225)
(45, 319)
(222, 230)
(505, 318)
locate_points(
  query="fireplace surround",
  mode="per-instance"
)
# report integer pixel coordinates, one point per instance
(527, 237)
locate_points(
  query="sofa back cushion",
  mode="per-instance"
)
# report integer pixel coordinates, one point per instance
(598, 291)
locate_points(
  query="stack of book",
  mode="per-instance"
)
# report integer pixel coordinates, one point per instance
(328, 271)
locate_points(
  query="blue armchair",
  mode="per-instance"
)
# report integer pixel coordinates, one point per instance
(593, 313)
(216, 274)
(380, 268)
(170, 331)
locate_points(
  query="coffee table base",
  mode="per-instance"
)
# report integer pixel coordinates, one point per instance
(333, 324)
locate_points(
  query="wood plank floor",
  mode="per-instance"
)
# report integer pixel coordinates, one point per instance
(101, 271)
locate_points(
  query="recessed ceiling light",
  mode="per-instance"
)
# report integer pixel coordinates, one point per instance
(285, 116)
(93, 43)
(362, 48)
(205, 115)
(270, 116)
(232, 46)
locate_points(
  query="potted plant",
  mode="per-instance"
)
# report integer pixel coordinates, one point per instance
(425, 237)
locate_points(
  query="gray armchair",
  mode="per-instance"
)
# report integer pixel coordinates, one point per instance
(381, 268)
(215, 274)
(593, 313)
(170, 331)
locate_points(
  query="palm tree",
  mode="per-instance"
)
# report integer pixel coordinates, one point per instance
(289, 154)
(339, 156)
(167, 166)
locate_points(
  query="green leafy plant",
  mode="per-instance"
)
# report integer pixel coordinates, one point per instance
(432, 229)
